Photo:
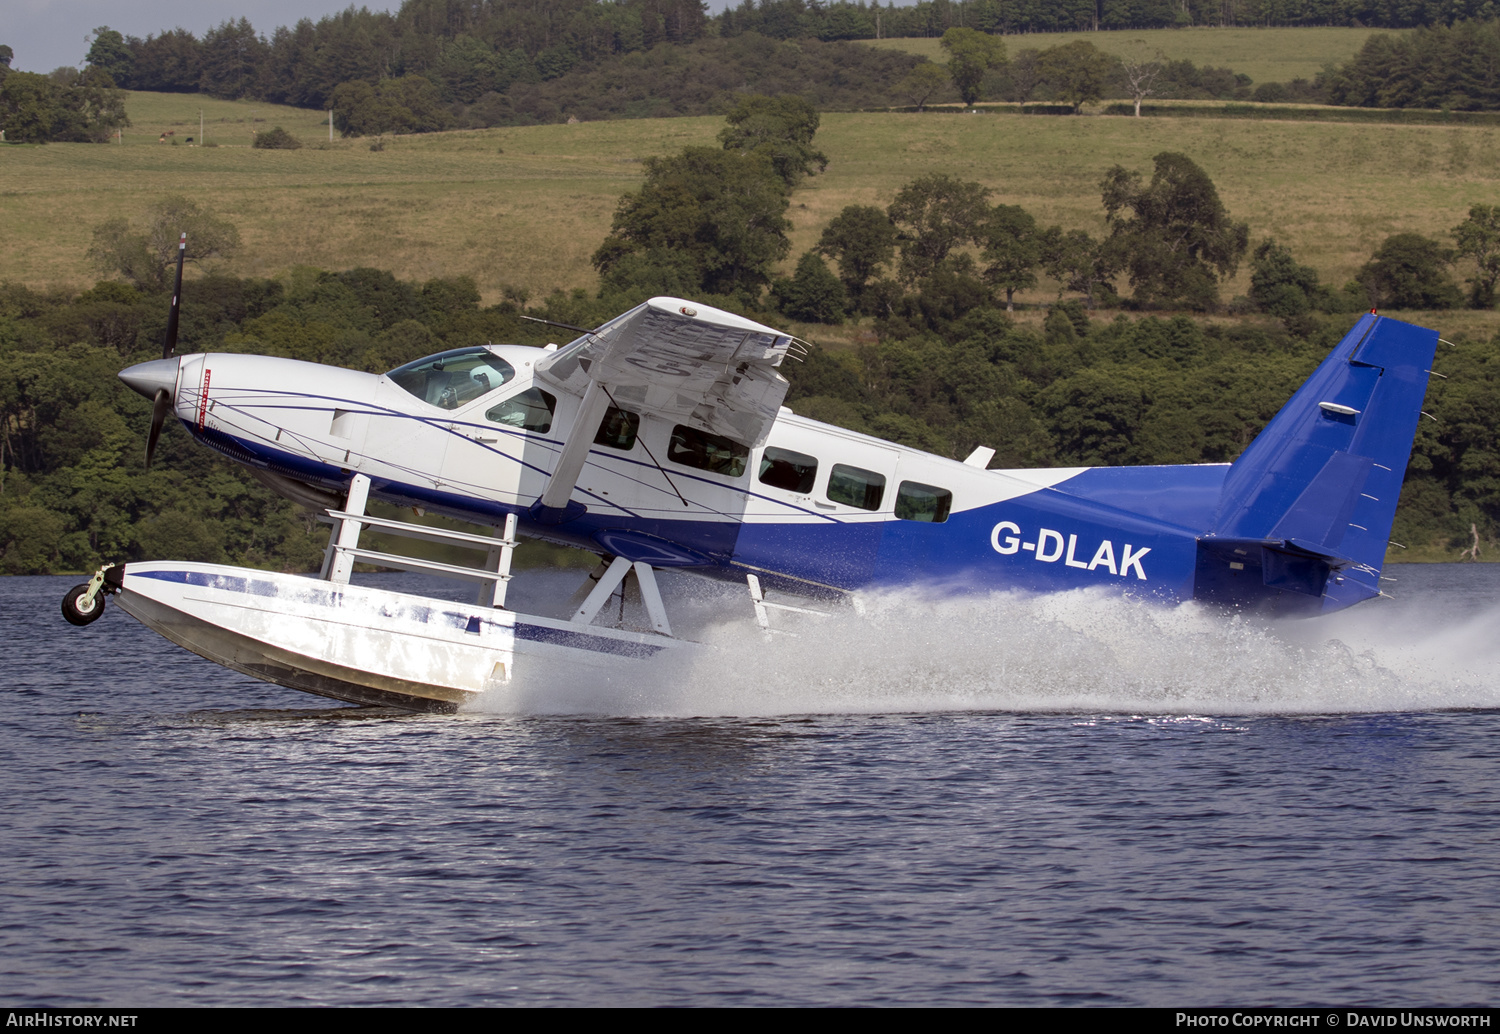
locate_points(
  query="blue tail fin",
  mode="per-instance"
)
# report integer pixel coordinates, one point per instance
(1306, 511)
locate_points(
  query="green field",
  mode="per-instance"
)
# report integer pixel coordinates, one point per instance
(527, 207)
(225, 123)
(1265, 55)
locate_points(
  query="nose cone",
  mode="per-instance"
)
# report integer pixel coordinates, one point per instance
(149, 378)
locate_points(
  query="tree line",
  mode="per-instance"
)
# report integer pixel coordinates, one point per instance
(471, 47)
(804, 19)
(698, 78)
(436, 64)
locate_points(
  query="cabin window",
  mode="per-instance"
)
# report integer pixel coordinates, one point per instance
(618, 429)
(793, 471)
(531, 410)
(711, 452)
(852, 486)
(916, 502)
(450, 379)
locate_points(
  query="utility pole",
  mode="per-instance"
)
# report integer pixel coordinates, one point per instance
(200, 127)
(330, 125)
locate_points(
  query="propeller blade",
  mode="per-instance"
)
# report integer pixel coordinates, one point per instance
(170, 341)
(159, 410)
(163, 401)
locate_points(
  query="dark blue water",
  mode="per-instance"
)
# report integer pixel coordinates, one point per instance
(1003, 802)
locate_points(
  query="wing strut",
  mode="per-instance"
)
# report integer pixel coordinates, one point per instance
(554, 506)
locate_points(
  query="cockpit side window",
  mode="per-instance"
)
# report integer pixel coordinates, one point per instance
(531, 410)
(450, 379)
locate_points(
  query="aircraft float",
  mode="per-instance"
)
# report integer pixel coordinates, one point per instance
(659, 441)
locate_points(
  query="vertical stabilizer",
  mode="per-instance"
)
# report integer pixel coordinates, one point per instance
(1306, 511)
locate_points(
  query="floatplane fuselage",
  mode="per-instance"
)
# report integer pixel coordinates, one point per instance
(659, 440)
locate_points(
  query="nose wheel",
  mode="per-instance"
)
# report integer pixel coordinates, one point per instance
(84, 604)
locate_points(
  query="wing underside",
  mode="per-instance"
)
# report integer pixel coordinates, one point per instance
(682, 361)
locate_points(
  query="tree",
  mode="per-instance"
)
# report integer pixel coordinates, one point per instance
(146, 259)
(781, 129)
(860, 239)
(95, 108)
(1409, 271)
(923, 81)
(30, 107)
(1141, 73)
(171, 62)
(66, 105)
(1278, 284)
(813, 294)
(1025, 75)
(410, 104)
(109, 54)
(233, 56)
(1178, 239)
(469, 69)
(936, 213)
(971, 54)
(1478, 238)
(1013, 249)
(1094, 416)
(711, 217)
(358, 110)
(276, 139)
(1078, 71)
(948, 292)
(1079, 262)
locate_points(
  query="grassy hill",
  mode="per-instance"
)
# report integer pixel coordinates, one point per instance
(1265, 55)
(528, 206)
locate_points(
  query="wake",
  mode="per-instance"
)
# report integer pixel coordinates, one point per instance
(1069, 652)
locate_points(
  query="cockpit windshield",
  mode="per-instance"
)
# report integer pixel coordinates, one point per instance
(449, 379)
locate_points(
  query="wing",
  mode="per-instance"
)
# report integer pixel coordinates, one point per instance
(697, 365)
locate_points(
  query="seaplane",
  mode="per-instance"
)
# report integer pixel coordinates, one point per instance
(659, 441)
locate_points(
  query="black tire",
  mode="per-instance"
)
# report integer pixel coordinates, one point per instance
(75, 613)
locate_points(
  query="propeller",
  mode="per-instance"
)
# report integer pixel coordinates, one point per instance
(162, 404)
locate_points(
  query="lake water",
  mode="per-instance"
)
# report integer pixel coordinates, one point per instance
(1008, 801)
